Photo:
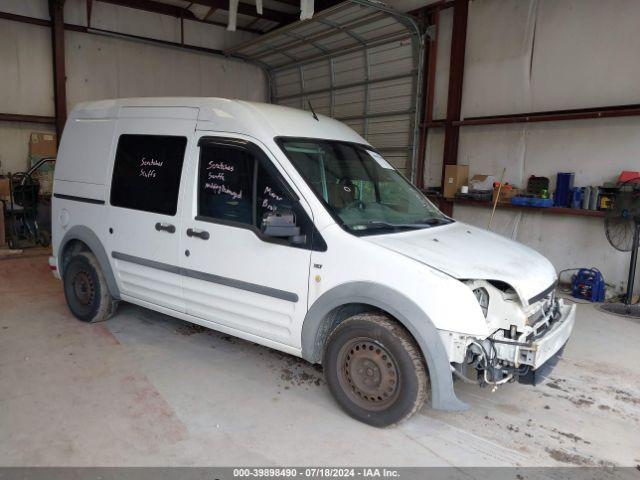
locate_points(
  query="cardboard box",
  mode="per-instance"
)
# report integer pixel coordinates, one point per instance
(506, 194)
(42, 145)
(455, 176)
(5, 191)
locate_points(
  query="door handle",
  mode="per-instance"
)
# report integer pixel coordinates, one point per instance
(203, 234)
(167, 227)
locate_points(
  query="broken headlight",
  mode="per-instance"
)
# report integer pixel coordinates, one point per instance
(483, 299)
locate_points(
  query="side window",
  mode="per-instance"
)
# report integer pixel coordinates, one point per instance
(225, 189)
(269, 195)
(235, 186)
(146, 174)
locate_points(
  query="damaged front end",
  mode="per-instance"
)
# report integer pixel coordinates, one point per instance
(526, 342)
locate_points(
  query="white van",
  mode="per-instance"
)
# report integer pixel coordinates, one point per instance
(289, 230)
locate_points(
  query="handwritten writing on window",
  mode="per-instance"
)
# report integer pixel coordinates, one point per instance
(220, 166)
(149, 167)
(218, 189)
(216, 171)
(269, 197)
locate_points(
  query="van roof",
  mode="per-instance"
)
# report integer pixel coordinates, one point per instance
(212, 113)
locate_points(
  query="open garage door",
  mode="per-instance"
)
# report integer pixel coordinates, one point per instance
(359, 62)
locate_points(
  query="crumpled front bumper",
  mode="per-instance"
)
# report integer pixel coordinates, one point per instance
(553, 340)
(550, 348)
(536, 358)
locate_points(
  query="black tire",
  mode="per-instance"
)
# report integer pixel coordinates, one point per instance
(375, 370)
(85, 289)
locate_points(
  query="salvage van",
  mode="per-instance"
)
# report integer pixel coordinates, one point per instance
(288, 229)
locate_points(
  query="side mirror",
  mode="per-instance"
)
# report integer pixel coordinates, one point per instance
(282, 224)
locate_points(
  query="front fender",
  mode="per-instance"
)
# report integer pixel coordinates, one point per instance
(413, 318)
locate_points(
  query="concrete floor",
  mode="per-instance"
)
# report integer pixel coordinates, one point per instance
(146, 389)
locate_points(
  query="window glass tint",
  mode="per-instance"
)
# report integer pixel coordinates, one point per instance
(269, 195)
(146, 174)
(237, 183)
(235, 186)
(226, 183)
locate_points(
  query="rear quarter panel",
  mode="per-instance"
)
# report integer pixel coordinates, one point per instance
(83, 167)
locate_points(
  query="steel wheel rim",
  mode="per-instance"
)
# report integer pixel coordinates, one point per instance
(84, 288)
(368, 374)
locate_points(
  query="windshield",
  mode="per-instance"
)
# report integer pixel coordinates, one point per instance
(360, 188)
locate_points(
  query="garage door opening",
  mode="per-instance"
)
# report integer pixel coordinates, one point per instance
(358, 62)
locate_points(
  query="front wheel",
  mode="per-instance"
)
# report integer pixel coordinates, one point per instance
(85, 289)
(375, 370)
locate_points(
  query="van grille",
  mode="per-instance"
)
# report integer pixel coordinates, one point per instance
(543, 294)
(544, 316)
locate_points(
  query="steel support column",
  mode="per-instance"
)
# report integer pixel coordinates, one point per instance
(454, 100)
(430, 56)
(56, 12)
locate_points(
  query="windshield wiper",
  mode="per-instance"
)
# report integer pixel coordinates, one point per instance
(379, 223)
(434, 221)
(427, 223)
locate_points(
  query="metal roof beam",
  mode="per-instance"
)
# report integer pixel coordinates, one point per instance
(211, 11)
(250, 10)
(319, 4)
(172, 11)
(154, 7)
(293, 3)
(18, 117)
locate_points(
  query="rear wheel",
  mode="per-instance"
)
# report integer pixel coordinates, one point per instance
(85, 289)
(374, 369)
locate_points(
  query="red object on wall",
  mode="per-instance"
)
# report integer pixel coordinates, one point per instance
(628, 175)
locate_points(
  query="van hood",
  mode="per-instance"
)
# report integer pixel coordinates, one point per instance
(470, 253)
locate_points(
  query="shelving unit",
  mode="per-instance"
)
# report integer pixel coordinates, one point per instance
(550, 210)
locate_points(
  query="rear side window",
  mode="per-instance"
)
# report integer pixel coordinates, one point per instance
(146, 174)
